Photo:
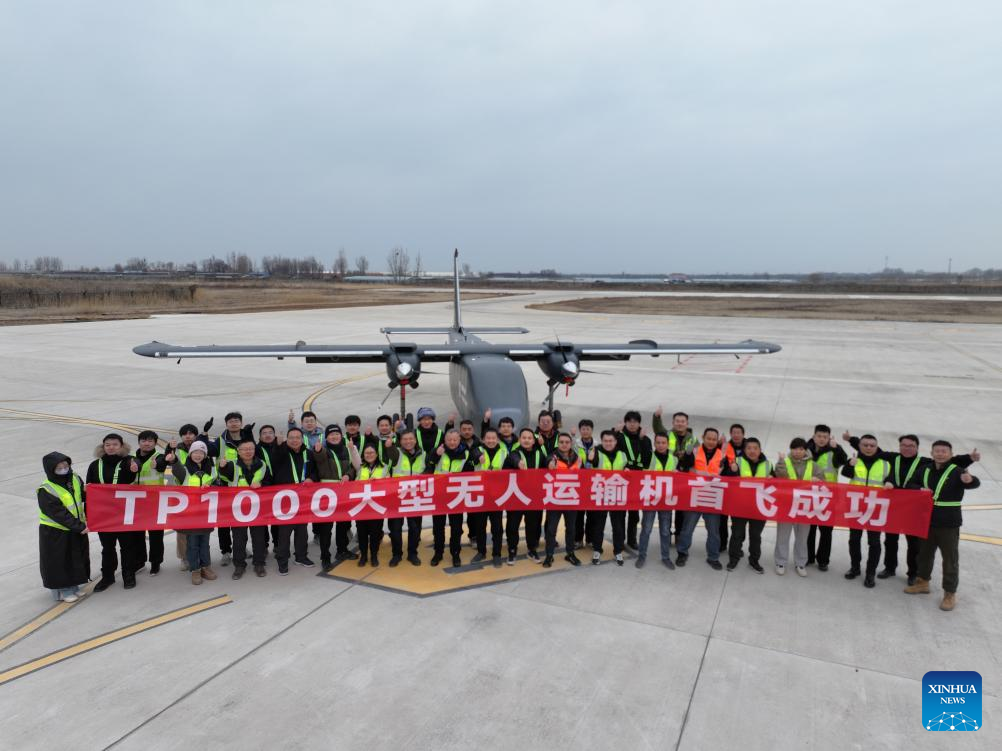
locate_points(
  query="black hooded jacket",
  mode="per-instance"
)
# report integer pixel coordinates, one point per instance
(49, 504)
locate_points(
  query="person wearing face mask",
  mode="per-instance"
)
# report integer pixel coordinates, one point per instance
(526, 455)
(906, 469)
(63, 545)
(948, 482)
(292, 467)
(335, 460)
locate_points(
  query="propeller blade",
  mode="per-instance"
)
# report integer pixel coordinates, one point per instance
(596, 372)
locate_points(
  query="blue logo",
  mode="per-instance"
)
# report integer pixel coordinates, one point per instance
(951, 700)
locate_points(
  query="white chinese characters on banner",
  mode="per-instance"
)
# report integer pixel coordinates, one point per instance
(707, 492)
(862, 508)
(466, 491)
(366, 497)
(561, 489)
(512, 491)
(765, 500)
(656, 490)
(609, 490)
(417, 495)
(811, 503)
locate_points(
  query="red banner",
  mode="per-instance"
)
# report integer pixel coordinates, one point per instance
(123, 508)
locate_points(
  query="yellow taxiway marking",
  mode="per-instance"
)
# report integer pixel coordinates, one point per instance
(981, 538)
(112, 636)
(309, 400)
(981, 507)
(40, 620)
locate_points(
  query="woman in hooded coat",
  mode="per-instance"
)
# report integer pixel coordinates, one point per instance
(63, 545)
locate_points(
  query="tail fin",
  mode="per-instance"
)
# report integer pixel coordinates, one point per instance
(457, 321)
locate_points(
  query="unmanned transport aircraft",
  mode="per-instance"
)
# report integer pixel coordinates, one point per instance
(482, 375)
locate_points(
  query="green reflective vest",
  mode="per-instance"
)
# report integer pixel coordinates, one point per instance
(239, 480)
(497, 462)
(826, 463)
(875, 476)
(148, 474)
(939, 486)
(100, 472)
(446, 465)
(764, 469)
(908, 475)
(420, 441)
(406, 466)
(668, 465)
(791, 473)
(365, 472)
(603, 461)
(226, 451)
(72, 501)
(200, 479)
(538, 458)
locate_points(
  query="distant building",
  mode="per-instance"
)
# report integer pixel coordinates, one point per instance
(678, 279)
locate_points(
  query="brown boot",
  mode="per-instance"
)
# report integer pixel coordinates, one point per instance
(196, 577)
(208, 573)
(949, 601)
(920, 587)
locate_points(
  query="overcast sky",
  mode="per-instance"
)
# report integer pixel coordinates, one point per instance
(698, 136)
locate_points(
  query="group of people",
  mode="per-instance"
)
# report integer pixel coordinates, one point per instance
(309, 452)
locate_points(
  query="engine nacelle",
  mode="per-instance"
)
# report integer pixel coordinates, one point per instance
(560, 367)
(404, 366)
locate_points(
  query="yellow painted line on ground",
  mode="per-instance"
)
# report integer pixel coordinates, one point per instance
(309, 400)
(109, 638)
(981, 538)
(981, 507)
(40, 620)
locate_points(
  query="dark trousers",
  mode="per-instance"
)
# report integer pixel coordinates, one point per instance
(913, 543)
(679, 521)
(581, 527)
(259, 545)
(754, 527)
(552, 521)
(481, 521)
(632, 521)
(225, 540)
(723, 532)
(533, 522)
(822, 553)
(111, 543)
(156, 546)
(342, 534)
(370, 535)
(618, 519)
(323, 531)
(455, 533)
(947, 541)
(295, 532)
(397, 535)
(873, 550)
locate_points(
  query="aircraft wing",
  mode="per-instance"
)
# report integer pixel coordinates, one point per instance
(621, 351)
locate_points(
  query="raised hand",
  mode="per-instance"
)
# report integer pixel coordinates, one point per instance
(487, 414)
(976, 455)
(846, 435)
(659, 411)
(133, 466)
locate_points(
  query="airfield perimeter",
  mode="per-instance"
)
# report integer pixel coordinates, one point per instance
(590, 658)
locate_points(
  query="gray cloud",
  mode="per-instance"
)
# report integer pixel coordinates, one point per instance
(696, 136)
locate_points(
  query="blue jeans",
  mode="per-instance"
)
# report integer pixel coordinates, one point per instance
(712, 523)
(198, 551)
(664, 530)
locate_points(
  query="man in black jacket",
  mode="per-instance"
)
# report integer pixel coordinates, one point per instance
(947, 481)
(829, 457)
(630, 439)
(114, 466)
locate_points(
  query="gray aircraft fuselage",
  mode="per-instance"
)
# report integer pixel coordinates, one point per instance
(487, 381)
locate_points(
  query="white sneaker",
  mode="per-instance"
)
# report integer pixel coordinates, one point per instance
(801, 571)
(596, 558)
(69, 598)
(184, 565)
(780, 569)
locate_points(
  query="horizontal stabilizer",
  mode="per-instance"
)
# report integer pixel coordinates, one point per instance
(448, 330)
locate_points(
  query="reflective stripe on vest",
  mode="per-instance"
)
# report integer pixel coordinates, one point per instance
(605, 463)
(420, 441)
(447, 465)
(241, 481)
(72, 501)
(487, 463)
(911, 470)
(669, 465)
(406, 466)
(939, 486)
(100, 472)
(148, 474)
(826, 463)
(791, 473)
(296, 479)
(365, 472)
(762, 470)
(538, 458)
(200, 479)
(875, 476)
(711, 466)
(226, 451)
(337, 463)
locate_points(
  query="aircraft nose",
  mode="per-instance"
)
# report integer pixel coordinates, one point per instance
(152, 349)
